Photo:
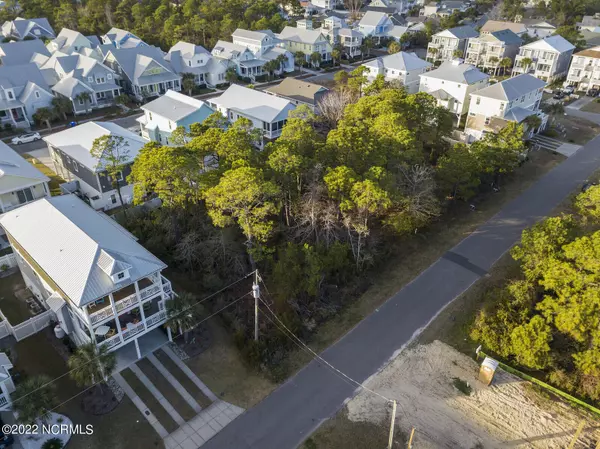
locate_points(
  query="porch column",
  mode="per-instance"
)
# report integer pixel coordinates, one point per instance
(114, 309)
(169, 334)
(137, 348)
(137, 292)
(88, 321)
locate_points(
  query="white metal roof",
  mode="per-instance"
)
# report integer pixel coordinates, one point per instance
(399, 61)
(511, 88)
(77, 142)
(551, 43)
(463, 32)
(253, 103)
(16, 172)
(68, 246)
(175, 106)
(457, 72)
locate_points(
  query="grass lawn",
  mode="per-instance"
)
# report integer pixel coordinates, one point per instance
(115, 430)
(592, 106)
(55, 180)
(167, 390)
(183, 379)
(151, 402)
(15, 310)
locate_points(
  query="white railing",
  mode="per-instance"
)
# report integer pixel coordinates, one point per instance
(112, 341)
(29, 327)
(3, 400)
(126, 302)
(10, 260)
(156, 318)
(149, 291)
(134, 330)
(166, 286)
(101, 314)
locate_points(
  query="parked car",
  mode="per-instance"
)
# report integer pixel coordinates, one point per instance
(569, 90)
(6, 440)
(592, 92)
(559, 95)
(26, 138)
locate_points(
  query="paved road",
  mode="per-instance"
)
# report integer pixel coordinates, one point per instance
(293, 411)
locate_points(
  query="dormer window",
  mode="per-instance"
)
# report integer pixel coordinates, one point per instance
(10, 95)
(189, 63)
(121, 275)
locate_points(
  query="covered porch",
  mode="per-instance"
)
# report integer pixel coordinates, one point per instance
(140, 347)
(13, 113)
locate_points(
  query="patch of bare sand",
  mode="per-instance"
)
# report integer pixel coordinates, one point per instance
(506, 414)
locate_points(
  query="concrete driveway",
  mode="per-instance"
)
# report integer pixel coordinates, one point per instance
(291, 413)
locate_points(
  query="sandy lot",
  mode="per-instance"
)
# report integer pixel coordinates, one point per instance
(507, 414)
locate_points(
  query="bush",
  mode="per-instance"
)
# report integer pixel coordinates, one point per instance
(462, 386)
(53, 443)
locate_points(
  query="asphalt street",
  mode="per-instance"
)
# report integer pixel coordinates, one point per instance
(292, 412)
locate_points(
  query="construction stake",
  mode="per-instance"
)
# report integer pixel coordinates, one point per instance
(577, 433)
(256, 294)
(391, 439)
(410, 440)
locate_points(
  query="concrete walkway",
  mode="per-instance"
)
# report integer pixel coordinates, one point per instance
(580, 102)
(175, 383)
(141, 406)
(183, 367)
(158, 395)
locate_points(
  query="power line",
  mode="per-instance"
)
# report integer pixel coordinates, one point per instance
(212, 295)
(102, 380)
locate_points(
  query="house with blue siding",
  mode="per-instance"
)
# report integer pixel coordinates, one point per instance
(165, 114)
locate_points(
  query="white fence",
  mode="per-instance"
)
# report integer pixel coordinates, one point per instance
(10, 261)
(27, 328)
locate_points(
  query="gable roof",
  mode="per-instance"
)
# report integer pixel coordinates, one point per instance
(457, 73)
(253, 103)
(22, 52)
(15, 171)
(228, 50)
(22, 75)
(296, 89)
(399, 61)
(247, 34)
(506, 36)
(74, 245)
(134, 61)
(511, 88)
(551, 43)
(24, 26)
(463, 32)
(122, 38)
(373, 18)
(188, 50)
(301, 35)
(77, 142)
(593, 52)
(175, 106)
(496, 25)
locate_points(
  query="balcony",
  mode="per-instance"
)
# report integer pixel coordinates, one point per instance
(111, 342)
(133, 329)
(156, 318)
(148, 292)
(167, 286)
(100, 310)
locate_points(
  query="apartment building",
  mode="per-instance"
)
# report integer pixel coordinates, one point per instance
(547, 59)
(584, 72)
(487, 50)
(450, 44)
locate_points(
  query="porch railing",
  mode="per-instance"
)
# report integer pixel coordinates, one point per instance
(101, 315)
(134, 330)
(167, 285)
(112, 341)
(3, 401)
(149, 291)
(126, 302)
(156, 318)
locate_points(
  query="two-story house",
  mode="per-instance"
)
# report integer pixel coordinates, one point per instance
(584, 72)
(266, 112)
(70, 41)
(512, 100)
(120, 38)
(538, 29)
(488, 50)
(450, 44)
(168, 112)
(104, 287)
(375, 24)
(143, 71)
(263, 44)
(21, 28)
(299, 92)
(590, 23)
(305, 40)
(547, 59)
(70, 152)
(189, 58)
(403, 67)
(20, 182)
(452, 83)
(23, 90)
(491, 26)
(23, 52)
(77, 75)
(351, 40)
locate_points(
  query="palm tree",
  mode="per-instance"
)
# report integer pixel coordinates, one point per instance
(34, 398)
(432, 51)
(62, 106)
(90, 364)
(526, 62)
(505, 63)
(394, 47)
(281, 61)
(85, 98)
(315, 58)
(230, 75)
(457, 53)
(367, 45)
(44, 115)
(182, 313)
(269, 67)
(188, 81)
(122, 99)
(494, 61)
(336, 55)
(300, 58)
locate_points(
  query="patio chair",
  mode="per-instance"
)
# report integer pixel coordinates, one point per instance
(111, 333)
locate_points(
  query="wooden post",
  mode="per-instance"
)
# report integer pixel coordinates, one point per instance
(577, 433)
(410, 440)
(391, 438)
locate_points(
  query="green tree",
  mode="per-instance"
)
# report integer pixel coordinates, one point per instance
(531, 343)
(572, 34)
(458, 53)
(300, 58)
(122, 99)
(526, 64)
(505, 63)
(588, 203)
(458, 173)
(65, 16)
(315, 58)
(183, 314)
(112, 155)
(90, 364)
(231, 75)
(188, 82)
(62, 106)
(270, 67)
(85, 98)
(366, 46)
(245, 197)
(336, 55)
(34, 398)
(394, 47)
(44, 115)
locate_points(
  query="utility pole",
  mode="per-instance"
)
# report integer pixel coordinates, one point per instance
(256, 294)
(391, 439)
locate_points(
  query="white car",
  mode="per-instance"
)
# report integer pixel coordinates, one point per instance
(26, 138)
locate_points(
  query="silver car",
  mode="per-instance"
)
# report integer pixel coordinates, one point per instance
(26, 138)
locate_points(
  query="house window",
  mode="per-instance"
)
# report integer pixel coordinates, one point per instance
(100, 80)
(81, 102)
(37, 94)
(24, 196)
(100, 95)
(478, 100)
(113, 199)
(90, 79)
(120, 176)
(189, 63)
(109, 76)
(10, 94)
(116, 92)
(150, 115)
(120, 275)
(487, 120)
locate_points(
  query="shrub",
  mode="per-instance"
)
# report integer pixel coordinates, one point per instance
(462, 386)
(53, 443)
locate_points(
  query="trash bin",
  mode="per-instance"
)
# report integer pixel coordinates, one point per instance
(59, 332)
